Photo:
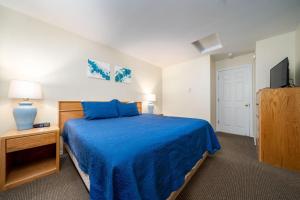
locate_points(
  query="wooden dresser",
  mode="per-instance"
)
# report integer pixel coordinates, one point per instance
(278, 124)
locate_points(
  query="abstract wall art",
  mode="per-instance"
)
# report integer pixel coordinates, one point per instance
(123, 74)
(98, 69)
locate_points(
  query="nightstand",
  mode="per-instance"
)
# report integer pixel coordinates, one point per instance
(28, 155)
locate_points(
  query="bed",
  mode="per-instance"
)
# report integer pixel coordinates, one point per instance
(141, 157)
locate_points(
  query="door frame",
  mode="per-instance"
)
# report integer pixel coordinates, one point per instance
(250, 68)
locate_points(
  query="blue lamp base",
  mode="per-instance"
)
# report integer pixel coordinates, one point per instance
(150, 108)
(24, 115)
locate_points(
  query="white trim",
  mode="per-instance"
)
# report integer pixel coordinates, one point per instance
(249, 67)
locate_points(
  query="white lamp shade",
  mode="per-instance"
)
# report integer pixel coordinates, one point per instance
(151, 97)
(24, 90)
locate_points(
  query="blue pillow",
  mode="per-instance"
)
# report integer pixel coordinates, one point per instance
(127, 109)
(100, 110)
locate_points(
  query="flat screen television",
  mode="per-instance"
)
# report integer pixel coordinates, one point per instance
(279, 75)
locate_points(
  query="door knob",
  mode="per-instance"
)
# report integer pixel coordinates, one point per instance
(246, 105)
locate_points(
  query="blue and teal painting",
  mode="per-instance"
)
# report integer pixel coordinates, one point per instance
(99, 70)
(123, 74)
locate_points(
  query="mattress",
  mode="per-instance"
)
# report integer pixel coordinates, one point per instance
(142, 157)
(86, 179)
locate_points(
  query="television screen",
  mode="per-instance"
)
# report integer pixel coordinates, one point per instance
(279, 75)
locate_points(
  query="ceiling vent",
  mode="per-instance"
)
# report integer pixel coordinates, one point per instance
(209, 43)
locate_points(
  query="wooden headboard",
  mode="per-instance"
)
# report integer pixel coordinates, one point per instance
(73, 109)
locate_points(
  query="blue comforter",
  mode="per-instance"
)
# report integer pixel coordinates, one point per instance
(142, 157)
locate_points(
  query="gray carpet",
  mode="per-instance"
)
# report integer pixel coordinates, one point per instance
(233, 173)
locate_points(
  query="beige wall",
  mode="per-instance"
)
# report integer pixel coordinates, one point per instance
(186, 89)
(186, 84)
(297, 57)
(213, 88)
(270, 52)
(33, 50)
(236, 61)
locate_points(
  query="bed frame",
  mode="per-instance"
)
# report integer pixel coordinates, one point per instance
(73, 109)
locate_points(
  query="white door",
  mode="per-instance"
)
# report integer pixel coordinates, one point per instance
(233, 100)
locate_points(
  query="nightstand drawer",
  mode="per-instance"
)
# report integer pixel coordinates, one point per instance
(20, 143)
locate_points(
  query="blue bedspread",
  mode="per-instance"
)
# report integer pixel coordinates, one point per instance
(142, 157)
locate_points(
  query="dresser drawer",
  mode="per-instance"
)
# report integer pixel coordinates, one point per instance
(26, 142)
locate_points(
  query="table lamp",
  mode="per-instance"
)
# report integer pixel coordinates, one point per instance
(150, 98)
(25, 113)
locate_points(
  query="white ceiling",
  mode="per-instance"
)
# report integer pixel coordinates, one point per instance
(161, 31)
